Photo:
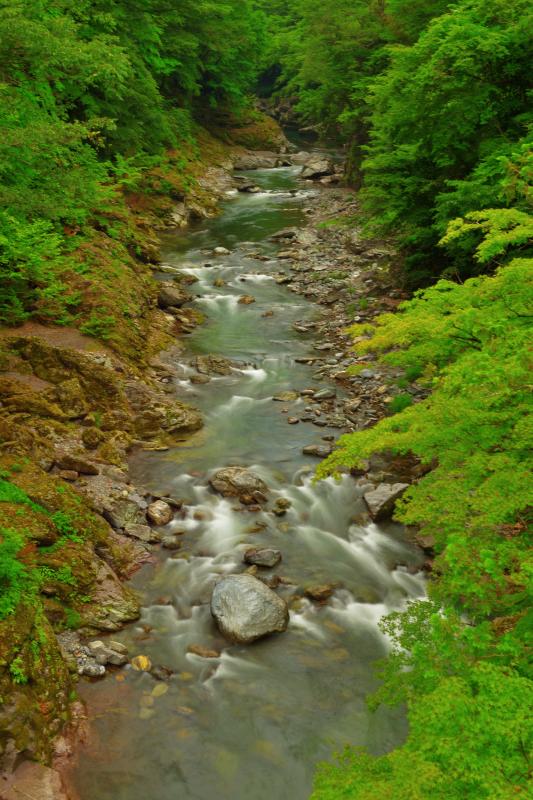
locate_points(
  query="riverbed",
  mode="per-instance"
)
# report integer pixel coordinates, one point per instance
(253, 722)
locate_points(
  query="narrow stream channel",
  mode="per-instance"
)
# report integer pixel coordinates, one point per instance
(251, 724)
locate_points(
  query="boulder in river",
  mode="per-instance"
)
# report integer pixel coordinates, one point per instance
(171, 296)
(221, 251)
(239, 482)
(245, 609)
(210, 364)
(381, 500)
(262, 556)
(317, 167)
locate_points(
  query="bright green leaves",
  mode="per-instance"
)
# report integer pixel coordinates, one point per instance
(469, 738)
(444, 114)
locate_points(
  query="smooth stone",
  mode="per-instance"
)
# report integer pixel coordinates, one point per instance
(159, 513)
(171, 542)
(325, 394)
(203, 652)
(245, 609)
(381, 500)
(318, 450)
(239, 482)
(262, 557)
(319, 593)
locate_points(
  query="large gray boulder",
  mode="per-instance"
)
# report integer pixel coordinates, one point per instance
(245, 609)
(381, 500)
(318, 167)
(258, 159)
(239, 482)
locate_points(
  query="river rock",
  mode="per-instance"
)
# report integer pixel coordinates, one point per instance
(221, 251)
(121, 512)
(246, 299)
(239, 482)
(257, 159)
(262, 557)
(281, 506)
(144, 533)
(381, 501)
(172, 296)
(171, 542)
(214, 365)
(245, 609)
(319, 593)
(159, 513)
(203, 652)
(325, 394)
(107, 655)
(317, 450)
(317, 167)
(301, 158)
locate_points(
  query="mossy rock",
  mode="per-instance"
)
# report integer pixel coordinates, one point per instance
(35, 683)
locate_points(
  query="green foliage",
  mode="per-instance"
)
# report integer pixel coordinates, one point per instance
(399, 402)
(469, 738)
(432, 100)
(99, 326)
(91, 95)
(461, 660)
(447, 115)
(18, 673)
(13, 573)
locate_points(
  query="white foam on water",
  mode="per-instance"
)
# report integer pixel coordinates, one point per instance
(238, 403)
(303, 621)
(220, 302)
(255, 374)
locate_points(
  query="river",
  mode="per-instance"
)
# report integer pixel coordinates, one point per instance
(252, 723)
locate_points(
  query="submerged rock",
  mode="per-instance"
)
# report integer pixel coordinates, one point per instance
(239, 482)
(319, 593)
(245, 609)
(381, 501)
(262, 557)
(203, 652)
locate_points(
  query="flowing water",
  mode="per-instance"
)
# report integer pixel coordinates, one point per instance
(252, 723)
